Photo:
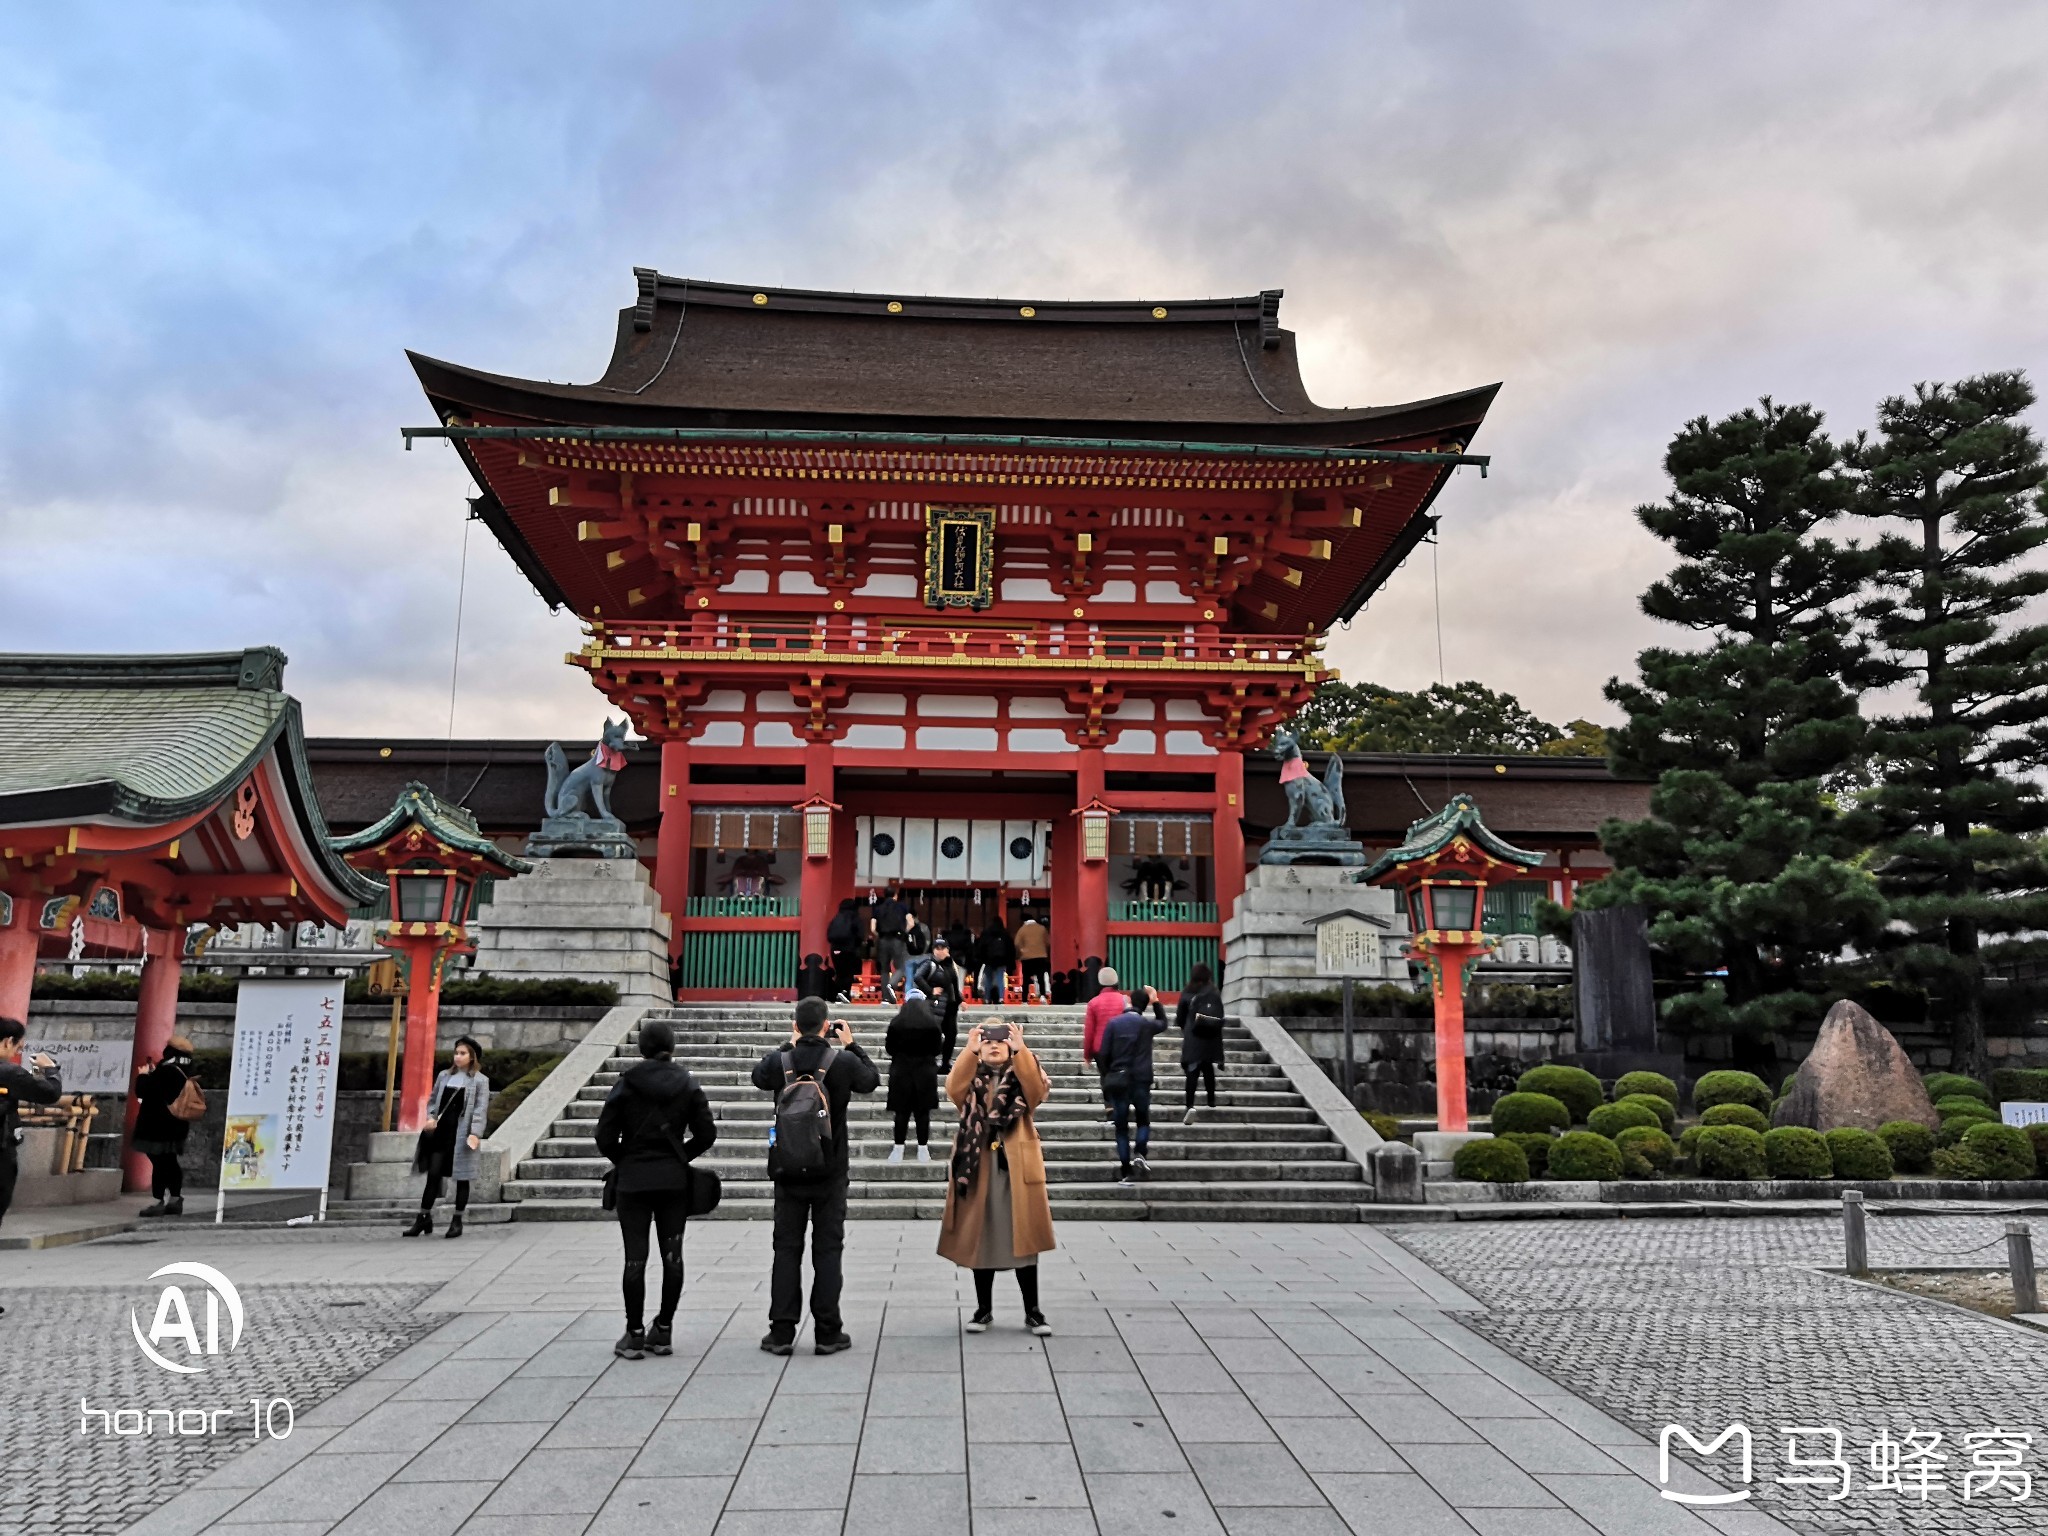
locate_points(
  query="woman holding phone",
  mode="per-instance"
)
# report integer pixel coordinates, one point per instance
(997, 1213)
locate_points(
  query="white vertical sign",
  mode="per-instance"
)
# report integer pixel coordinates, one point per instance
(281, 1084)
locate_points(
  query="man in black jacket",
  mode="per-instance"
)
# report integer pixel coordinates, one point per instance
(1126, 1058)
(36, 1083)
(939, 979)
(641, 1129)
(843, 1069)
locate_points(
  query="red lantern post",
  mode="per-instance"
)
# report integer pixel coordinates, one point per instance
(1442, 869)
(431, 855)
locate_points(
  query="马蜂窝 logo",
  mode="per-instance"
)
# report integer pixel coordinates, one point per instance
(174, 1318)
(1739, 1433)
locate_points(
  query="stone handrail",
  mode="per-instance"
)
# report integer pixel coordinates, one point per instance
(1314, 1085)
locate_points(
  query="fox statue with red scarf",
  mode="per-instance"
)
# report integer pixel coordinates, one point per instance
(1309, 803)
(591, 779)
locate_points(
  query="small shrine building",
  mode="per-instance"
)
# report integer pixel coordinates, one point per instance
(987, 598)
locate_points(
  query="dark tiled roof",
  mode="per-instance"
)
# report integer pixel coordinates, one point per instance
(450, 824)
(708, 354)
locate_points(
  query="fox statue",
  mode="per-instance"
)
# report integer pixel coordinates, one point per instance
(1309, 803)
(592, 780)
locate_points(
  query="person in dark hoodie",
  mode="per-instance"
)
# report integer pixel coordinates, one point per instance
(913, 1044)
(159, 1134)
(653, 1106)
(1125, 1056)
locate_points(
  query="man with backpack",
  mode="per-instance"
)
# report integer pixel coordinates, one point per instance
(812, 1078)
(939, 979)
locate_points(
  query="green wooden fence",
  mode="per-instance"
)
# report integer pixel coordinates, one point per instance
(1161, 960)
(1162, 911)
(742, 906)
(740, 958)
(1511, 908)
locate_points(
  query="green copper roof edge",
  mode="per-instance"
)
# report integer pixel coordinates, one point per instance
(416, 802)
(299, 784)
(806, 435)
(255, 669)
(1434, 831)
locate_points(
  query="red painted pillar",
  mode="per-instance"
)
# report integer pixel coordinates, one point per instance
(17, 962)
(1450, 1036)
(1228, 833)
(1091, 919)
(816, 905)
(422, 1024)
(1066, 900)
(156, 1020)
(672, 842)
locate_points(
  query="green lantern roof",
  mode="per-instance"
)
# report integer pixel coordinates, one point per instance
(419, 806)
(1436, 832)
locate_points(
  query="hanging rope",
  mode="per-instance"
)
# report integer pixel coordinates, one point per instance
(455, 662)
(1436, 596)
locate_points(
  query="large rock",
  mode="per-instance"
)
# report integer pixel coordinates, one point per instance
(1857, 1075)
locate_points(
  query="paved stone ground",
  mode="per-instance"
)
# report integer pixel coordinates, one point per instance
(1307, 1380)
(1705, 1323)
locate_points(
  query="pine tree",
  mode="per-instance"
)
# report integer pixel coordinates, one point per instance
(1444, 717)
(1958, 468)
(1745, 863)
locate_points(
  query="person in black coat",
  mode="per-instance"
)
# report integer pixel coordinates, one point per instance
(939, 979)
(159, 1134)
(914, 1044)
(1126, 1059)
(997, 954)
(653, 1106)
(824, 1049)
(37, 1082)
(1200, 1021)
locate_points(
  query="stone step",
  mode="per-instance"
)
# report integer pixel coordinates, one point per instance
(579, 1116)
(552, 1171)
(1105, 1207)
(1080, 1095)
(742, 1060)
(861, 1190)
(401, 1212)
(1170, 1142)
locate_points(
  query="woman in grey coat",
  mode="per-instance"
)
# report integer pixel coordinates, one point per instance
(461, 1103)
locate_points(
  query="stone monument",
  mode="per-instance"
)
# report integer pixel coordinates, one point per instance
(589, 910)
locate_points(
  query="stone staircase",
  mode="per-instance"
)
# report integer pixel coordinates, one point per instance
(1262, 1154)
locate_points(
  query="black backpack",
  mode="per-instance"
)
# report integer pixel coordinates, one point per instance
(839, 932)
(800, 1140)
(919, 939)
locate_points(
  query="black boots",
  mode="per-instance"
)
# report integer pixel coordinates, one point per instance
(632, 1345)
(152, 1210)
(422, 1223)
(455, 1225)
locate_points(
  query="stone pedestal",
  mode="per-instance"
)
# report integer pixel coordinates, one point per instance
(1269, 944)
(1439, 1150)
(587, 919)
(388, 1174)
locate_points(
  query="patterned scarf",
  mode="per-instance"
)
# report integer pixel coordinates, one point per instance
(995, 1103)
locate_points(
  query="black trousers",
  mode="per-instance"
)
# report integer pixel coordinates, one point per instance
(10, 1169)
(845, 966)
(433, 1192)
(1039, 971)
(166, 1177)
(821, 1206)
(1027, 1288)
(669, 1211)
(1206, 1071)
(924, 1124)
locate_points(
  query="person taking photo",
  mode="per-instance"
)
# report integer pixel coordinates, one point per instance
(34, 1083)
(997, 1214)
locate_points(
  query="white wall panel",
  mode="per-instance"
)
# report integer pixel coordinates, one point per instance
(1040, 741)
(1134, 741)
(1188, 744)
(721, 733)
(776, 733)
(869, 738)
(953, 866)
(955, 738)
(985, 851)
(919, 842)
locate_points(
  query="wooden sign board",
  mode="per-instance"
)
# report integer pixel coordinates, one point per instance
(1349, 945)
(386, 978)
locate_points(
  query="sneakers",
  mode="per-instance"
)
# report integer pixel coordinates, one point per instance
(924, 1154)
(1189, 1117)
(895, 1154)
(980, 1321)
(832, 1343)
(632, 1345)
(1123, 1176)
(660, 1341)
(455, 1225)
(1143, 1165)
(1036, 1322)
(775, 1345)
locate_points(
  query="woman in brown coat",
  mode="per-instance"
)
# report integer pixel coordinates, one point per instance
(997, 1214)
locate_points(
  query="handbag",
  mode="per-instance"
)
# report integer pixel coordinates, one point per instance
(1116, 1080)
(610, 1200)
(190, 1104)
(1208, 1027)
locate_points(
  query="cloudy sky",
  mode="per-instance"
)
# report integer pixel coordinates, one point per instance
(224, 223)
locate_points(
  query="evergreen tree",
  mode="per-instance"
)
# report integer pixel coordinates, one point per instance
(1745, 863)
(1456, 717)
(1958, 468)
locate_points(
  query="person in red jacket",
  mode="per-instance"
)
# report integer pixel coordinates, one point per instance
(1102, 1007)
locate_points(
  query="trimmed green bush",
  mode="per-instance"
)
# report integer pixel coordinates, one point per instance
(1949, 1085)
(1535, 1147)
(1688, 1139)
(1960, 1107)
(1958, 1163)
(1578, 1090)
(1910, 1143)
(1387, 1126)
(1647, 1082)
(1859, 1154)
(1951, 1131)
(514, 1093)
(1728, 1152)
(2038, 1135)
(1665, 1111)
(2004, 1150)
(1529, 1112)
(1737, 1114)
(1610, 1120)
(2027, 1084)
(1646, 1152)
(1794, 1152)
(1584, 1155)
(1731, 1088)
(1492, 1161)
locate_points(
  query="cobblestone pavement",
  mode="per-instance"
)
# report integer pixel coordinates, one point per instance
(1255, 1381)
(1708, 1323)
(69, 1358)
